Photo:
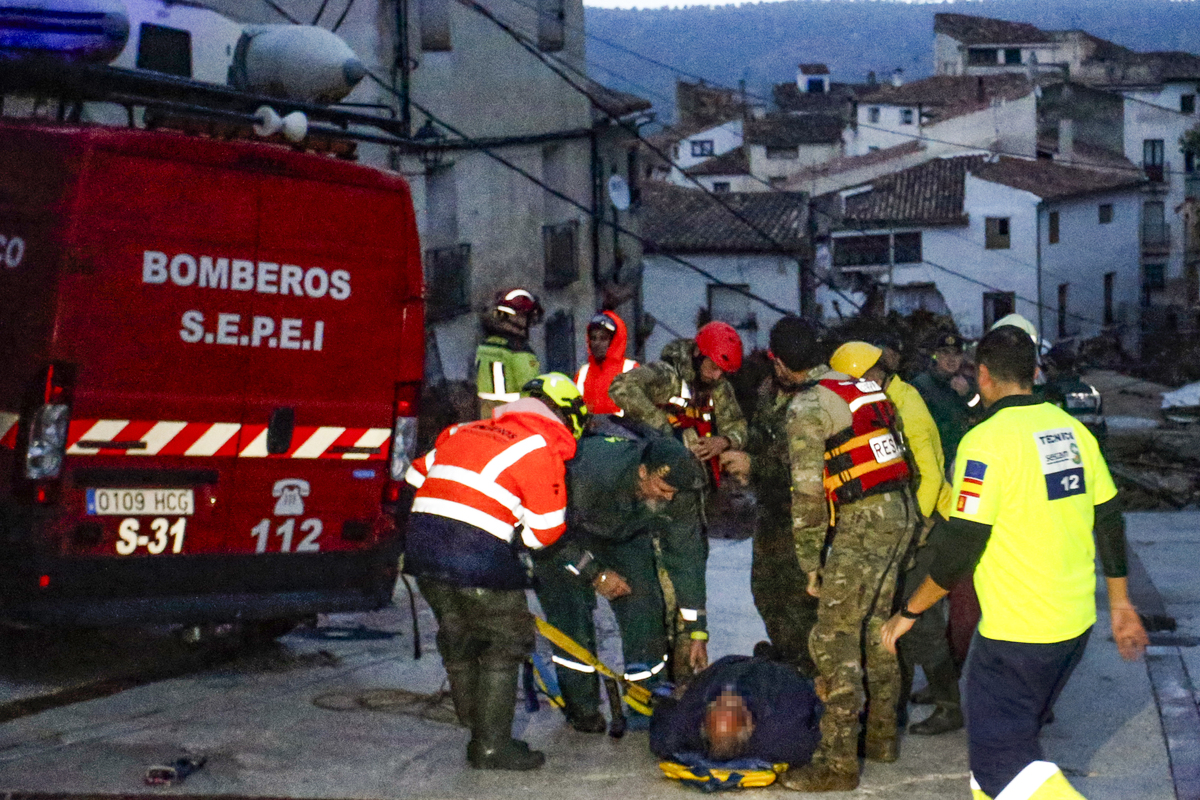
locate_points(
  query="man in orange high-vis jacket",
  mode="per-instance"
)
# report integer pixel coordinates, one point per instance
(487, 491)
(607, 341)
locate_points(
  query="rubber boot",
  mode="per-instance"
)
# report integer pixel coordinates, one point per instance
(881, 744)
(946, 717)
(463, 681)
(581, 696)
(492, 745)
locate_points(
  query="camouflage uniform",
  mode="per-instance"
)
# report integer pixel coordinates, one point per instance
(642, 393)
(776, 580)
(858, 579)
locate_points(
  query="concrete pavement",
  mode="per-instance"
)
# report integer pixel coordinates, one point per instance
(256, 720)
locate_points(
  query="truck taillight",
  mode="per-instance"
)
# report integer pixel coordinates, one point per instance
(48, 423)
(404, 430)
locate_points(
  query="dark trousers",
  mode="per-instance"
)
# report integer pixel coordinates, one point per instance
(1011, 688)
(925, 645)
(780, 593)
(479, 628)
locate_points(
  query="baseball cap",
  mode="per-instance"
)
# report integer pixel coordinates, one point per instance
(948, 341)
(675, 463)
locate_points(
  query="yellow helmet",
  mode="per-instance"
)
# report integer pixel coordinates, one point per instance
(562, 393)
(855, 358)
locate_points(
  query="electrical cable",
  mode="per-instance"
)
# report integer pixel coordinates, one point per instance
(320, 11)
(342, 18)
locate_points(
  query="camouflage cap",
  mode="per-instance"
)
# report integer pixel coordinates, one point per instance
(674, 462)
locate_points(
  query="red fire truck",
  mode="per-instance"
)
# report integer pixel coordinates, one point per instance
(210, 362)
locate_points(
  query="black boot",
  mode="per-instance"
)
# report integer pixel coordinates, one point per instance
(492, 745)
(463, 682)
(945, 718)
(586, 720)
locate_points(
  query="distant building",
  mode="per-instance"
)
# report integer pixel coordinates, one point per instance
(979, 237)
(815, 92)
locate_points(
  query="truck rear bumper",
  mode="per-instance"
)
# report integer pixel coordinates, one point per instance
(194, 589)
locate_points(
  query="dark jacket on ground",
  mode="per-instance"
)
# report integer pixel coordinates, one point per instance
(783, 705)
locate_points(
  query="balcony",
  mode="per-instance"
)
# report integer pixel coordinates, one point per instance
(1157, 173)
(1156, 237)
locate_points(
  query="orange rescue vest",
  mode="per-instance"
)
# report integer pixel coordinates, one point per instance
(868, 457)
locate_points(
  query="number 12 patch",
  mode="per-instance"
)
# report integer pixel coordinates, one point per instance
(1062, 463)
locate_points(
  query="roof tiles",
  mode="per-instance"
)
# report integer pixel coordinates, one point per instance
(680, 220)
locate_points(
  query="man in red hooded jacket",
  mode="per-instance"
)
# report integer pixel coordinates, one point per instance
(607, 339)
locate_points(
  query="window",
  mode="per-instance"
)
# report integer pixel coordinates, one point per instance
(783, 152)
(1054, 228)
(777, 182)
(1012, 55)
(1110, 280)
(982, 57)
(560, 343)
(1062, 309)
(166, 50)
(996, 234)
(1155, 231)
(906, 116)
(815, 86)
(434, 18)
(1189, 161)
(1154, 279)
(1152, 159)
(873, 114)
(906, 248)
(727, 304)
(447, 282)
(551, 25)
(1106, 213)
(1187, 104)
(860, 251)
(996, 306)
(721, 187)
(702, 147)
(561, 254)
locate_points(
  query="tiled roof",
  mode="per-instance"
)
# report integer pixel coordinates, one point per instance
(792, 130)
(613, 102)
(1086, 155)
(837, 100)
(927, 194)
(679, 220)
(1136, 69)
(950, 91)
(814, 69)
(732, 163)
(850, 163)
(1051, 181)
(984, 30)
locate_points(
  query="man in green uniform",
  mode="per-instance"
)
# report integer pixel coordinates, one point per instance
(1031, 487)
(624, 492)
(778, 584)
(503, 361)
(848, 468)
(946, 393)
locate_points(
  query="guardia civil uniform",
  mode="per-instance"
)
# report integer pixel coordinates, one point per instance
(848, 467)
(1029, 478)
(776, 581)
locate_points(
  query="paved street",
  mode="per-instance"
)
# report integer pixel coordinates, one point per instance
(269, 725)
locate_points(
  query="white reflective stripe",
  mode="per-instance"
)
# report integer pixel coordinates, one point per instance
(530, 540)
(511, 455)
(257, 448)
(659, 668)
(684, 391)
(575, 665)
(574, 570)
(156, 438)
(974, 783)
(1028, 781)
(102, 431)
(859, 402)
(629, 364)
(374, 437)
(477, 482)
(213, 439)
(974, 402)
(499, 385)
(543, 522)
(581, 378)
(463, 513)
(689, 614)
(7, 420)
(638, 676)
(502, 398)
(414, 477)
(318, 442)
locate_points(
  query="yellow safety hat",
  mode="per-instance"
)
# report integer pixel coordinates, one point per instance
(561, 391)
(855, 358)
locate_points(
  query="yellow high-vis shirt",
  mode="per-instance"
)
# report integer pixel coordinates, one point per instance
(1035, 475)
(924, 442)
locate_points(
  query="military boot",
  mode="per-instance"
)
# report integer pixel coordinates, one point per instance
(946, 717)
(492, 745)
(818, 778)
(463, 681)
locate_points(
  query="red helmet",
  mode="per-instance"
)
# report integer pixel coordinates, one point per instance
(519, 302)
(720, 342)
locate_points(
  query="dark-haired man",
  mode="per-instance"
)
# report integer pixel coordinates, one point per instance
(849, 472)
(1030, 485)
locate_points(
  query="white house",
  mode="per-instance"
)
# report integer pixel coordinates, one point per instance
(979, 237)
(689, 224)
